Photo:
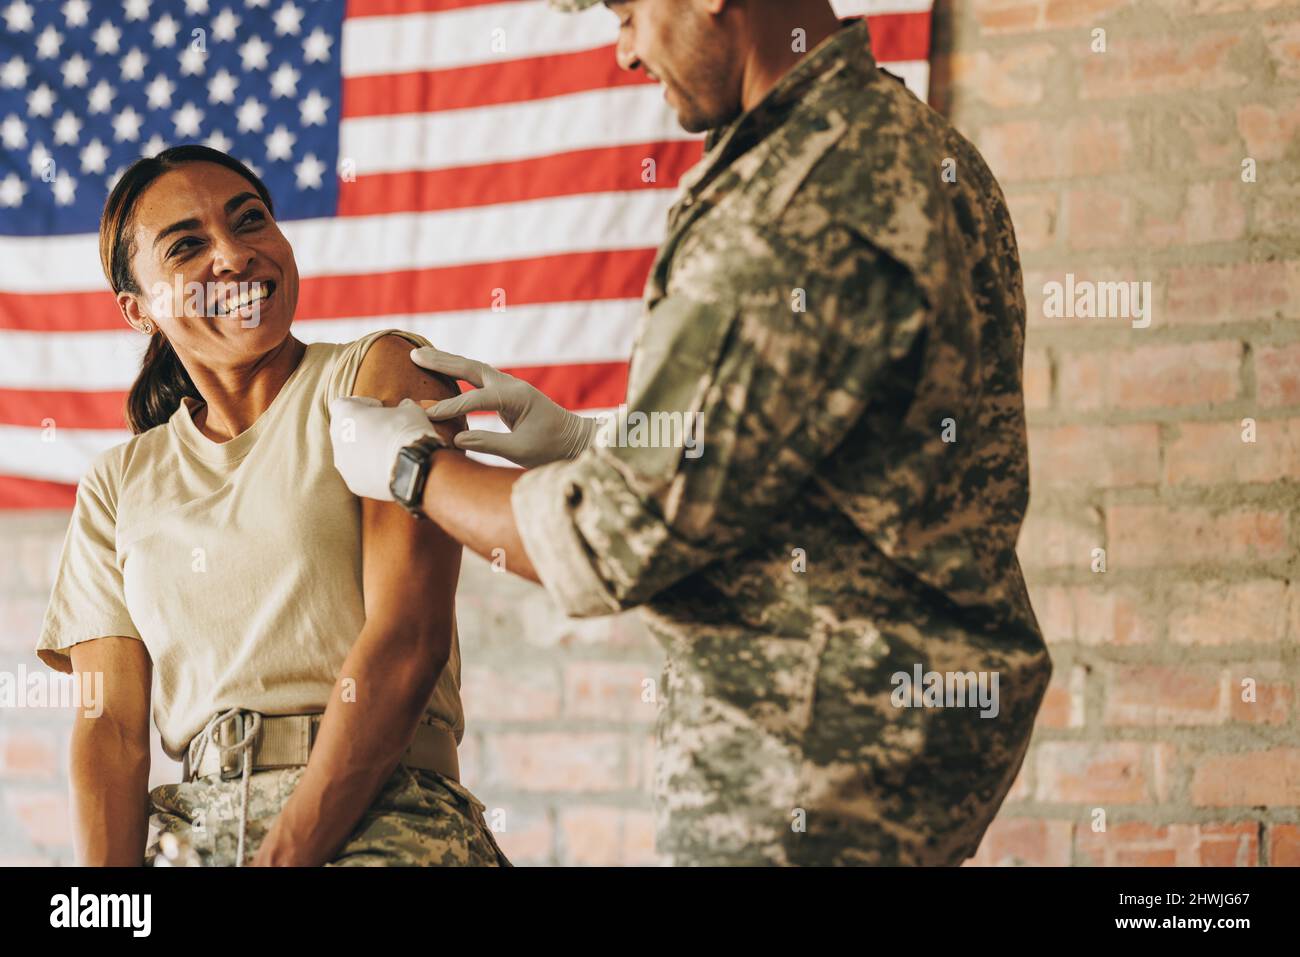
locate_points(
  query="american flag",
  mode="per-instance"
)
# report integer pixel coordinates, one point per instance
(471, 170)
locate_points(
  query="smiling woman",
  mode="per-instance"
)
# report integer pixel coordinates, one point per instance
(218, 570)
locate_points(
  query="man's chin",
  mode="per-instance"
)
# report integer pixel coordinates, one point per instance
(695, 123)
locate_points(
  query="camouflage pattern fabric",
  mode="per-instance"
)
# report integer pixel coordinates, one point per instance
(419, 818)
(571, 6)
(839, 298)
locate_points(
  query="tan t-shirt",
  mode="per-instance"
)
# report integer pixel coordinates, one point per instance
(237, 563)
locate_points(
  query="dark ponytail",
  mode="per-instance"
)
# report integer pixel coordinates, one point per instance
(163, 380)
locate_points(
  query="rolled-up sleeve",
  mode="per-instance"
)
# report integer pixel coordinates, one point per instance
(772, 388)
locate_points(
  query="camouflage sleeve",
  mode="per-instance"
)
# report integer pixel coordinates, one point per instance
(772, 377)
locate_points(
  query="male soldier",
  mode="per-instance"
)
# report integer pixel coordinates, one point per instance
(838, 307)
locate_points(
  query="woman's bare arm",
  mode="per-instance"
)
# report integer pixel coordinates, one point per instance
(109, 761)
(410, 571)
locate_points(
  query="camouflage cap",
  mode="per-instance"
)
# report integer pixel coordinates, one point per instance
(571, 6)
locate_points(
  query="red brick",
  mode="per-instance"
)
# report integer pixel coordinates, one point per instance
(1096, 456)
(1099, 218)
(1150, 376)
(1004, 79)
(1204, 295)
(1228, 613)
(1138, 844)
(1284, 845)
(1018, 841)
(1116, 616)
(606, 837)
(1037, 378)
(1277, 375)
(526, 837)
(610, 691)
(1062, 291)
(1033, 216)
(1143, 535)
(1256, 778)
(590, 837)
(524, 693)
(1283, 41)
(1268, 129)
(1205, 131)
(1274, 207)
(43, 815)
(1098, 773)
(639, 840)
(1208, 213)
(1160, 696)
(1211, 453)
(28, 753)
(556, 761)
(1023, 150)
(1135, 68)
(1273, 693)
(1081, 13)
(1063, 703)
(1008, 16)
(1020, 789)
(1060, 541)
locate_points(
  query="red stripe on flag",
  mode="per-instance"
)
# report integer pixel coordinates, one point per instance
(69, 410)
(574, 385)
(577, 277)
(894, 36)
(618, 169)
(24, 493)
(488, 84)
(572, 277)
(395, 8)
(900, 36)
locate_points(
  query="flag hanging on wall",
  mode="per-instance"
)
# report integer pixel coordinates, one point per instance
(470, 170)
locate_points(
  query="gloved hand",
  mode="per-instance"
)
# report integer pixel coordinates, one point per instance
(540, 431)
(367, 437)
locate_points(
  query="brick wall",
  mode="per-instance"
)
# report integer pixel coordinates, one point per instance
(1119, 166)
(1127, 165)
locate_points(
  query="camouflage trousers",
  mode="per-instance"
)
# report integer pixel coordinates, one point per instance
(790, 751)
(419, 818)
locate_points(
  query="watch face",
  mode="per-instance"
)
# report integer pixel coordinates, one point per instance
(405, 476)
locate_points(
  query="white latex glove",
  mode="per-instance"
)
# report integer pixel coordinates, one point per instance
(367, 437)
(540, 431)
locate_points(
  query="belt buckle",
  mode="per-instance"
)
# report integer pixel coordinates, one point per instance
(232, 762)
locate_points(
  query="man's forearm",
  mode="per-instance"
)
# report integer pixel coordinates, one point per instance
(471, 502)
(110, 795)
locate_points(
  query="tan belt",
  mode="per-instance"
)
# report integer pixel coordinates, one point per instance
(285, 741)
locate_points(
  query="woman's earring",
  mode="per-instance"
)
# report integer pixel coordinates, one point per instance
(148, 328)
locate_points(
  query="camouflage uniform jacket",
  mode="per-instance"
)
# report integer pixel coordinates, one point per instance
(839, 300)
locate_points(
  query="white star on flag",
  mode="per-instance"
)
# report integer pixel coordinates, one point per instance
(250, 116)
(221, 88)
(126, 125)
(313, 109)
(288, 20)
(75, 12)
(254, 53)
(316, 48)
(284, 81)
(309, 172)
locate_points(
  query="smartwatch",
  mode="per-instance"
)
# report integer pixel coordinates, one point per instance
(410, 472)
